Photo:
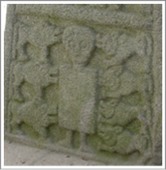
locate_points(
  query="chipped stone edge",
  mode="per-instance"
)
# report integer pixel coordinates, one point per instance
(157, 77)
(9, 34)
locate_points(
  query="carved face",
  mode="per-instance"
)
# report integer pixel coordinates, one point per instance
(79, 43)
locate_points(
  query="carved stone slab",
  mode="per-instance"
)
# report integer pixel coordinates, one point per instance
(86, 80)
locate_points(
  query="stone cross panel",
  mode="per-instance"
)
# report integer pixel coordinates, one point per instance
(84, 79)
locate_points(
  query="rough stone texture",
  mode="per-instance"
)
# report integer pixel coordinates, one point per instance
(25, 155)
(86, 80)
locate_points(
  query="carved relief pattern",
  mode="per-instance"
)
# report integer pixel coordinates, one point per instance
(74, 99)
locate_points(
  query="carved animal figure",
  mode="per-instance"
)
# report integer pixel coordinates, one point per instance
(116, 137)
(35, 114)
(121, 127)
(117, 140)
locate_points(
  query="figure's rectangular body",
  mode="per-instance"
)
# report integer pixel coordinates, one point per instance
(77, 99)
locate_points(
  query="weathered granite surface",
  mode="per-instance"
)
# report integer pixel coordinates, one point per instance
(86, 80)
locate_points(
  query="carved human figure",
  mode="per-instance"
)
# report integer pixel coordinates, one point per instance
(35, 68)
(127, 63)
(32, 67)
(120, 47)
(127, 67)
(77, 85)
(41, 35)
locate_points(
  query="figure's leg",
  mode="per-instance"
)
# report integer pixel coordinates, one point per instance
(84, 143)
(69, 138)
(68, 141)
(15, 122)
(42, 132)
(15, 125)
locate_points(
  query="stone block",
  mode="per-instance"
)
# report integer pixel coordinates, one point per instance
(86, 80)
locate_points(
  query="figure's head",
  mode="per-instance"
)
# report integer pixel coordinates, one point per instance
(79, 43)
